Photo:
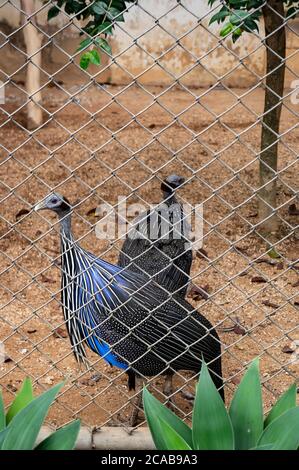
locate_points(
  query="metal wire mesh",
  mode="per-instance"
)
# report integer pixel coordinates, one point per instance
(161, 104)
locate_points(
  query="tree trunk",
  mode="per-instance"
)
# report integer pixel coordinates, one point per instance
(276, 52)
(33, 41)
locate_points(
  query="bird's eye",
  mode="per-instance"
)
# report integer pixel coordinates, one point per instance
(54, 201)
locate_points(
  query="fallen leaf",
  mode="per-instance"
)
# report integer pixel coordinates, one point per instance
(288, 350)
(273, 254)
(296, 284)
(60, 333)
(197, 293)
(293, 210)
(270, 304)
(244, 273)
(279, 265)
(258, 279)
(31, 330)
(265, 260)
(44, 278)
(91, 212)
(239, 330)
(21, 213)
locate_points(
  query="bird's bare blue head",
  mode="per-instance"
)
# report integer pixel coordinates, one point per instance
(55, 202)
(171, 183)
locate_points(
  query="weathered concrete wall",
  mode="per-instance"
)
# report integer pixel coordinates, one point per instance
(177, 47)
(197, 41)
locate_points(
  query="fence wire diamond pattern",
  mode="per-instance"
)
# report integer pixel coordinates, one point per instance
(119, 130)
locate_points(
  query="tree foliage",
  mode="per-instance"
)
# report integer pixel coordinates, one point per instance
(101, 17)
(241, 16)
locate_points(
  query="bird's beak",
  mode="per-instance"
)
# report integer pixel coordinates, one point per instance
(39, 206)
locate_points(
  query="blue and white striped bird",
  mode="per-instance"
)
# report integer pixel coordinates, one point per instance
(129, 320)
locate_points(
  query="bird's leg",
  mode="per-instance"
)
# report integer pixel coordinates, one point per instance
(168, 388)
(137, 405)
(135, 412)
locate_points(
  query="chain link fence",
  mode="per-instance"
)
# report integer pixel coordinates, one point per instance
(172, 99)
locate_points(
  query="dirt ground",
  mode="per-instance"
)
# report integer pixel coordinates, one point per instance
(120, 150)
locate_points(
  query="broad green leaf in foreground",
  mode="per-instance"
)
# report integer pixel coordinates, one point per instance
(284, 403)
(172, 440)
(283, 432)
(211, 424)
(246, 409)
(153, 409)
(23, 398)
(29, 419)
(63, 439)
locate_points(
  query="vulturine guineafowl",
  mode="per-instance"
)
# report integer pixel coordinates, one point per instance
(125, 318)
(158, 243)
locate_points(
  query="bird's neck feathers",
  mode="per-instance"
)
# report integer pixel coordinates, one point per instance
(169, 197)
(65, 226)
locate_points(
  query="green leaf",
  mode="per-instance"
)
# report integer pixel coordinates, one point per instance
(226, 30)
(104, 45)
(264, 447)
(153, 409)
(84, 44)
(220, 16)
(63, 439)
(90, 57)
(22, 431)
(2, 413)
(238, 16)
(292, 13)
(52, 12)
(172, 440)
(211, 425)
(284, 403)
(115, 14)
(99, 8)
(85, 60)
(273, 253)
(236, 34)
(283, 432)
(2, 436)
(23, 398)
(105, 28)
(246, 409)
(94, 57)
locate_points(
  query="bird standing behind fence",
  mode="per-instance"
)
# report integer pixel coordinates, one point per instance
(158, 243)
(125, 318)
